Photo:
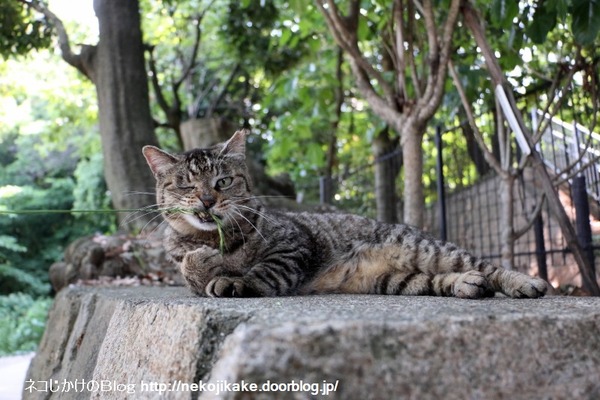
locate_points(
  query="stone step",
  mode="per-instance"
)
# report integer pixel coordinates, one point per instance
(157, 342)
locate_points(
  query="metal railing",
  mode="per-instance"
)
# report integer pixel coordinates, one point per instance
(568, 148)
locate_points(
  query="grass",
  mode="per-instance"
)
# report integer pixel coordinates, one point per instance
(219, 223)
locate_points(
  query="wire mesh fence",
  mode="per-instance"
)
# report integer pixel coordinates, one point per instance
(473, 205)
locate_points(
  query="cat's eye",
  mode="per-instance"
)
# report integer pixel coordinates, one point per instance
(224, 182)
(185, 186)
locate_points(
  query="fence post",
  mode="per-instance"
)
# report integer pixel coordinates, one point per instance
(540, 247)
(582, 219)
(582, 208)
(440, 183)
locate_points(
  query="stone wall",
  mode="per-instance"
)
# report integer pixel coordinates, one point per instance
(150, 340)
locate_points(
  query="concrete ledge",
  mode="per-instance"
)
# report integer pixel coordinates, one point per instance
(371, 347)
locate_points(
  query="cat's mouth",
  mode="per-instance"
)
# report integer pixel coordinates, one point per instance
(203, 216)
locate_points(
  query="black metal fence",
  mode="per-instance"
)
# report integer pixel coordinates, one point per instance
(469, 214)
(473, 213)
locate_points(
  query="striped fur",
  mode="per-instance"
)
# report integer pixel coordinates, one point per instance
(269, 253)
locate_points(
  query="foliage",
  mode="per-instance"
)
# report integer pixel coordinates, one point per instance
(261, 35)
(49, 160)
(22, 321)
(90, 193)
(538, 45)
(21, 31)
(584, 15)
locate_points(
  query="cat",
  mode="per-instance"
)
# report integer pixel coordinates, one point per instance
(228, 245)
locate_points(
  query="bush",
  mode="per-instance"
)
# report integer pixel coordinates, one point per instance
(38, 188)
(16, 280)
(22, 322)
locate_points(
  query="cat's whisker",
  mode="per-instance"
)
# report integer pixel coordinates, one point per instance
(129, 218)
(140, 193)
(244, 198)
(151, 222)
(247, 220)
(259, 213)
(175, 195)
(134, 216)
(241, 230)
(144, 211)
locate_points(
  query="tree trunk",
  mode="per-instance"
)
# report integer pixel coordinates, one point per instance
(123, 107)
(412, 156)
(327, 179)
(386, 170)
(205, 132)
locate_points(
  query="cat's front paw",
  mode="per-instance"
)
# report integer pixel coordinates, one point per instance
(202, 254)
(223, 286)
(472, 285)
(199, 267)
(202, 259)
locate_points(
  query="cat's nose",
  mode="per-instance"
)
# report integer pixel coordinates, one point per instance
(207, 201)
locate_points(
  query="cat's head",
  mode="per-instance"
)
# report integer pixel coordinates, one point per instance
(202, 187)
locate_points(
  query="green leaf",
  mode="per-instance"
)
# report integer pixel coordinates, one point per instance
(586, 20)
(286, 34)
(544, 20)
(314, 154)
(299, 6)
(560, 6)
(503, 12)
(510, 60)
(10, 243)
(363, 32)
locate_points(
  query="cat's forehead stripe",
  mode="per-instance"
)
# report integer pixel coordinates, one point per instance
(200, 161)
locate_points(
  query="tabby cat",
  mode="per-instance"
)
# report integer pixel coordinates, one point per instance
(228, 245)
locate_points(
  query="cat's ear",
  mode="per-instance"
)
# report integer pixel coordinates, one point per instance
(158, 160)
(236, 145)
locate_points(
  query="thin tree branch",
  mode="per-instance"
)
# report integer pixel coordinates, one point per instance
(530, 221)
(345, 34)
(434, 90)
(384, 106)
(160, 98)
(487, 154)
(195, 110)
(564, 178)
(339, 102)
(545, 122)
(197, 39)
(432, 39)
(193, 58)
(223, 91)
(83, 65)
(400, 64)
(418, 83)
(503, 138)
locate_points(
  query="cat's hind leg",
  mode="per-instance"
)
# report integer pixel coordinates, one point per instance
(403, 283)
(514, 284)
(468, 285)
(457, 272)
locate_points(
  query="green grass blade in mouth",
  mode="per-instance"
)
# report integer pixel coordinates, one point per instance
(219, 223)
